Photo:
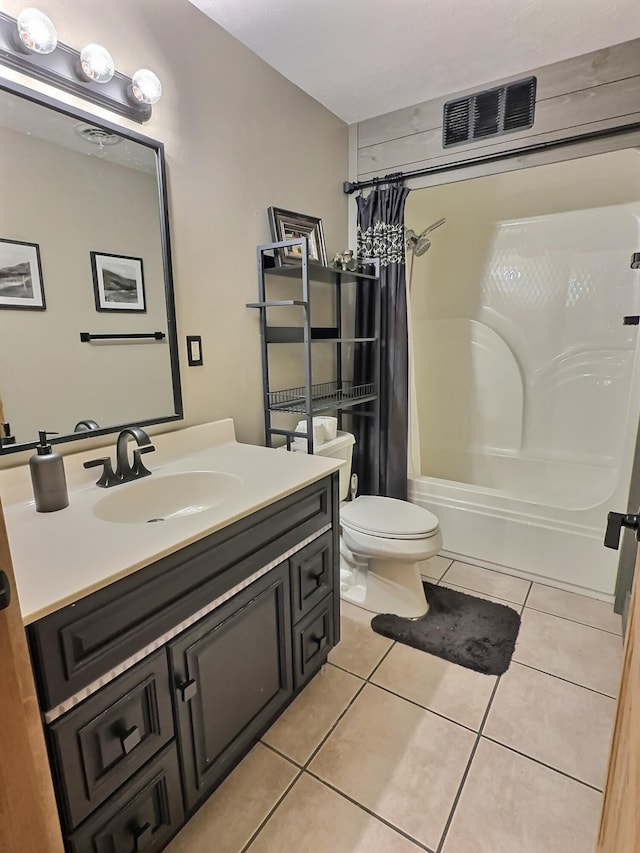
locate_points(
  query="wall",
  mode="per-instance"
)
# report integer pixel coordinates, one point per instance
(238, 137)
(588, 93)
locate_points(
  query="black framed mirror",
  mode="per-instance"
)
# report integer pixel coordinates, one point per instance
(88, 340)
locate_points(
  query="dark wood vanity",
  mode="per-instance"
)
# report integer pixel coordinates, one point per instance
(162, 681)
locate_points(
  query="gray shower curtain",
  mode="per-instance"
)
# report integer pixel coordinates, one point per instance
(381, 235)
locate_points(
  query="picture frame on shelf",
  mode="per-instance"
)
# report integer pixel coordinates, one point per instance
(118, 282)
(21, 284)
(288, 225)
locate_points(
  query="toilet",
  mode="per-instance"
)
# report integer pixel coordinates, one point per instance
(382, 540)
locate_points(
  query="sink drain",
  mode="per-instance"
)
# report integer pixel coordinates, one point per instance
(152, 520)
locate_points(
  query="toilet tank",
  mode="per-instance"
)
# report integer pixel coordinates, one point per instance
(341, 447)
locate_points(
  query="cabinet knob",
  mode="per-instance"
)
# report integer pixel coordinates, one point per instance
(142, 836)
(129, 739)
(320, 642)
(188, 689)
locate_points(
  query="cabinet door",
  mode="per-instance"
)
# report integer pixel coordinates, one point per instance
(312, 641)
(143, 815)
(312, 573)
(231, 674)
(109, 736)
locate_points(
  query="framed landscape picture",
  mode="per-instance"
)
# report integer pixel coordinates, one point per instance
(20, 275)
(118, 282)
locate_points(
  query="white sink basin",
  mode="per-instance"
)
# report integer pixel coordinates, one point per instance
(166, 497)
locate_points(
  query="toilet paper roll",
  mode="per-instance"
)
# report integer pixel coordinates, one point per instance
(329, 426)
(318, 431)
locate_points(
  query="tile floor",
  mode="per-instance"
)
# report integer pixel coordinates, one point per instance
(392, 750)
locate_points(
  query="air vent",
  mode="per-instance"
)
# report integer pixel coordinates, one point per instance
(490, 113)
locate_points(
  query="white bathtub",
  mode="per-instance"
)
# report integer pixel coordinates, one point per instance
(540, 519)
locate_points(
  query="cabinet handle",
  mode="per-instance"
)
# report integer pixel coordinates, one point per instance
(130, 739)
(188, 689)
(317, 574)
(320, 642)
(141, 836)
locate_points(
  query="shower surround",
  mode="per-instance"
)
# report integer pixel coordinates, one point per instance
(528, 398)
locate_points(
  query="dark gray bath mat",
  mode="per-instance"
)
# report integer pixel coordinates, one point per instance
(460, 628)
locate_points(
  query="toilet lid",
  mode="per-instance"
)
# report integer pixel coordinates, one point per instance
(388, 517)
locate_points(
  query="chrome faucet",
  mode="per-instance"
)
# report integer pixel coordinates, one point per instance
(124, 472)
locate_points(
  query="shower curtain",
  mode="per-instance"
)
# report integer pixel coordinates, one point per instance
(381, 235)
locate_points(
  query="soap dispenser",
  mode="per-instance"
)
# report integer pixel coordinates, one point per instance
(48, 478)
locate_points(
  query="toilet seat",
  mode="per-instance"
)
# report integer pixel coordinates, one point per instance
(388, 518)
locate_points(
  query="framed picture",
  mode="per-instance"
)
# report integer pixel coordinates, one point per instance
(20, 275)
(118, 282)
(287, 225)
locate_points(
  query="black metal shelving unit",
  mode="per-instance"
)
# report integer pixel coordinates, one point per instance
(341, 395)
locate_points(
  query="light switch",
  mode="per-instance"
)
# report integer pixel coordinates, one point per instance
(194, 350)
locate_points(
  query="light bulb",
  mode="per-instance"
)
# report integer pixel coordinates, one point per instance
(97, 63)
(36, 31)
(146, 88)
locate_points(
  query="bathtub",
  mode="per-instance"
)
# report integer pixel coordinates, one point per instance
(539, 519)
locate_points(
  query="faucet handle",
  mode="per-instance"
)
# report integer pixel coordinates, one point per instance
(138, 468)
(107, 478)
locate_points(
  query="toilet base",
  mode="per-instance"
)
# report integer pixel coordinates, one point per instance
(384, 586)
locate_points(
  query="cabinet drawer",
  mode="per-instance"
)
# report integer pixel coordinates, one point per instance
(231, 673)
(107, 738)
(312, 640)
(76, 645)
(143, 815)
(311, 575)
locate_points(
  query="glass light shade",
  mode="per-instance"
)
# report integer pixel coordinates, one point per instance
(146, 88)
(36, 31)
(97, 63)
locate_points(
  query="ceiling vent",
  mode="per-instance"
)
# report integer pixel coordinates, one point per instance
(490, 113)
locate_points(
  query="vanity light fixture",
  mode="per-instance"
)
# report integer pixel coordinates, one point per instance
(29, 44)
(35, 31)
(146, 88)
(96, 63)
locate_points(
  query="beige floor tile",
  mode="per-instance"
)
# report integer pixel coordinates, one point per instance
(434, 568)
(580, 608)
(360, 648)
(555, 722)
(398, 760)
(451, 690)
(232, 814)
(310, 716)
(512, 604)
(314, 819)
(487, 581)
(578, 653)
(510, 804)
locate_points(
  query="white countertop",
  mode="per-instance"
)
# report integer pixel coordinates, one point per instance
(59, 557)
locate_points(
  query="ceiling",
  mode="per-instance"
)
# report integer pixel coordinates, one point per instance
(363, 58)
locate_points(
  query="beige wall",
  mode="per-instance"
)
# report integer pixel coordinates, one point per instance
(238, 137)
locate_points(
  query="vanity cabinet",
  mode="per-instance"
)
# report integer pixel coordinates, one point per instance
(153, 688)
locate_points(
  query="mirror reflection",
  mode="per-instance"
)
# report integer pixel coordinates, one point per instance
(82, 250)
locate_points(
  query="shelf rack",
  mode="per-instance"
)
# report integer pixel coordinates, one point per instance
(341, 394)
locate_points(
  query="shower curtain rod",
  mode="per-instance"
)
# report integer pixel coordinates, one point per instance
(350, 187)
